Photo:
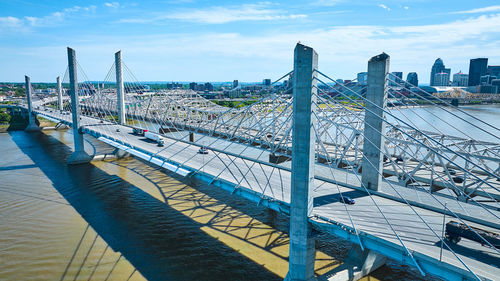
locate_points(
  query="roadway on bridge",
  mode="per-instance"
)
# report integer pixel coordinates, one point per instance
(367, 214)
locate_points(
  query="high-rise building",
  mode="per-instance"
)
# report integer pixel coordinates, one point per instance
(494, 70)
(460, 79)
(441, 79)
(266, 82)
(412, 79)
(235, 83)
(477, 68)
(192, 86)
(486, 79)
(362, 78)
(396, 79)
(496, 83)
(437, 67)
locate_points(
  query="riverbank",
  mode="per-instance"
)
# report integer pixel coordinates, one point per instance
(18, 123)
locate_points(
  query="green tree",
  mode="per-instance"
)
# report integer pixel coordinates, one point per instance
(20, 92)
(4, 117)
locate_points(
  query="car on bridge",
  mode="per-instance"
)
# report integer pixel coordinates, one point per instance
(203, 150)
(347, 200)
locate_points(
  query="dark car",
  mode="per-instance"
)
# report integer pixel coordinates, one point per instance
(347, 200)
(203, 150)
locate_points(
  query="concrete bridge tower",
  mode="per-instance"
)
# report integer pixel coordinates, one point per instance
(376, 96)
(79, 155)
(302, 248)
(32, 126)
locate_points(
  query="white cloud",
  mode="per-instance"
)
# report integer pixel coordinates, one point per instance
(384, 7)
(218, 15)
(112, 4)
(326, 3)
(10, 22)
(343, 51)
(479, 10)
(27, 22)
(406, 7)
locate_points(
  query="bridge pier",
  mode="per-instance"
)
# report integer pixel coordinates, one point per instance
(376, 95)
(59, 94)
(32, 126)
(302, 244)
(357, 265)
(79, 155)
(120, 91)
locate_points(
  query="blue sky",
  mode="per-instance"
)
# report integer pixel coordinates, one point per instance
(190, 40)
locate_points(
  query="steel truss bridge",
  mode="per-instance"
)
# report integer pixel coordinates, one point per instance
(301, 150)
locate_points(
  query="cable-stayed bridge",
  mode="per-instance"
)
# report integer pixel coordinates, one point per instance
(306, 149)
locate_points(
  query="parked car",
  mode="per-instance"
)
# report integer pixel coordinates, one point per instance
(347, 200)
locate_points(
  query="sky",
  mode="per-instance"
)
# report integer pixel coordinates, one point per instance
(191, 40)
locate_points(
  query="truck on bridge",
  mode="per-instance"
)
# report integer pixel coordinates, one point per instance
(456, 231)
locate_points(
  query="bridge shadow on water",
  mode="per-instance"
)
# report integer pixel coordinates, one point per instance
(186, 239)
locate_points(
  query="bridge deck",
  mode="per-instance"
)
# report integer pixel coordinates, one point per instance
(367, 216)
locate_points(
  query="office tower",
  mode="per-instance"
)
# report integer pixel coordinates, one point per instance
(477, 68)
(362, 78)
(412, 79)
(494, 70)
(442, 79)
(396, 79)
(437, 67)
(460, 79)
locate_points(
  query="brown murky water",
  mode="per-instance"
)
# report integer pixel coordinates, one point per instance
(125, 220)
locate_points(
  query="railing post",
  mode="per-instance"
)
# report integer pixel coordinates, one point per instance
(120, 92)
(79, 155)
(59, 94)
(302, 250)
(376, 95)
(32, 126)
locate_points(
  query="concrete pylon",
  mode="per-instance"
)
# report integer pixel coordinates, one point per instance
(376, 95)
(32, 126)
(59, 94)
(120, 91)
(357, 265)
(79, 155)
(302, 249)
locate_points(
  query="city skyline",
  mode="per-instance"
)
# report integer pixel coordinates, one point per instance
(216, 41)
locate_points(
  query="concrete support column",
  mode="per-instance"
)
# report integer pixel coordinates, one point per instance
(79, 155)
(376, 95)
(32, 126)
(357, 265)
(302, 250)
(120, 91)
(59, 94)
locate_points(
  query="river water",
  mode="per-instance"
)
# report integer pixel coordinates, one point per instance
(126, 220)
(453, 121)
